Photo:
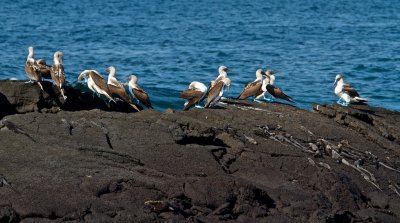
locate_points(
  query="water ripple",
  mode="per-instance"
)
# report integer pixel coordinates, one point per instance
(171, 43)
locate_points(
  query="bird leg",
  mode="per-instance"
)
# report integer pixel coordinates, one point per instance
(40, 85)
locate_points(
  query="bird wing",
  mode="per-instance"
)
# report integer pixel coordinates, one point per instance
(214, 92)
(351, 91)
(121, 92)
(142, 96)
(251, 89)
(45, 69)
(99, 80)
(193, 96)
(191, 93)
(278, 93)
(116, 83)
(32, 70)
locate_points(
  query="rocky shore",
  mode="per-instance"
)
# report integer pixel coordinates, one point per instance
(86, 160)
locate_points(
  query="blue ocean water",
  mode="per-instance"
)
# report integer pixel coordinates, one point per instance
(168, 44)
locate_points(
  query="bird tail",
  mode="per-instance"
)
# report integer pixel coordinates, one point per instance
(290, 99)
(359, 99)
(134, 106)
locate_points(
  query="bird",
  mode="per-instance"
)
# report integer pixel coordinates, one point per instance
(45, 69)
(96, 83)
(346, 92)
(193, 94)
(137, 92)
(57, 73)
(216, 91)
(32, 69)
(253, 89)
(222, 73)
(274, 91)
(116, 88)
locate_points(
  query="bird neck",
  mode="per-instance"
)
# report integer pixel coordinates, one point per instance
(30, 56)
(264, 84)
(132, 84)
(222, 74)
(56, 60)
(340, 82)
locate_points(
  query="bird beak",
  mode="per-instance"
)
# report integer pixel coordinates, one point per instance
(334, 83)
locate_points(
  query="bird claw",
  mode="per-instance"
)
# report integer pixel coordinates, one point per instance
(198, 106)
(29, 82)
(257, 100)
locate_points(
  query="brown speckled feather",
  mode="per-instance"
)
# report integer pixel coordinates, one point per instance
(251, 89)
(99, 81)
(214, 93)
(58, 75)
(121, 93)
(33, 71)
(193, 97)
(351, 91)
(45, 69)
(142, 96)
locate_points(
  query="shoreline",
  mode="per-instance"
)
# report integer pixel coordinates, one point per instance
(238, 162)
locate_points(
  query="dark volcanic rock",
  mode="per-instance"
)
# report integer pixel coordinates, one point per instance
(244, 162)
(21, 97)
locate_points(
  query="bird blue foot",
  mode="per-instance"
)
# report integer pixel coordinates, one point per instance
(268, 99)
(198, 106)
(342, 103)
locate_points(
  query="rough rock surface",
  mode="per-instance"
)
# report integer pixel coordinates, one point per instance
(239, 162)
(21, 97)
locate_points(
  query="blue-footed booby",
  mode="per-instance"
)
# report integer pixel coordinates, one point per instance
(57, 73)
(274, 91)
(96, 83)
(116, 88)
(253, 89)
(32, 69)
(346, 92)
(137, 92)
(193, 94)
(216, 91)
